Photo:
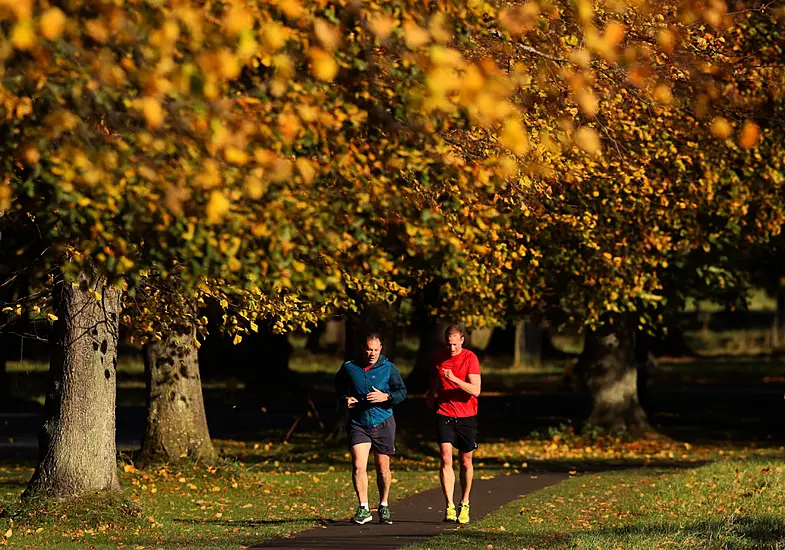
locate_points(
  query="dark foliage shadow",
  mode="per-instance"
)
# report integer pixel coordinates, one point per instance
(733, 533)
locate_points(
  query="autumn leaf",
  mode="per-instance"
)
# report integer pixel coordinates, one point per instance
(52, 23)
(513, 136)
(323, 64)
(750, 134)
(217, 207)
(721, 128)
(587, 139)
(153, 113)
(22, 35)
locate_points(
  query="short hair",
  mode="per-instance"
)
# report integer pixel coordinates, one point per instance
(374, 336)
(453, 329)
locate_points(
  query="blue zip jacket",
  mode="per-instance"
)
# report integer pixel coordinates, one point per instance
(352, 381)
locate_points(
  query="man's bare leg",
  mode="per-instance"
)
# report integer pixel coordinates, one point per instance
(467, 474)
(383, 475)
(360, 454)
(446, 474)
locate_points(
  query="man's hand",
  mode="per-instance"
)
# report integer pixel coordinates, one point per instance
(351, 402)
(449, 376)
(377, 396)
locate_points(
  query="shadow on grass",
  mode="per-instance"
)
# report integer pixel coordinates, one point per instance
(732, 533)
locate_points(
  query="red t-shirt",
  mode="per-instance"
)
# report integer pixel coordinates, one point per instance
(452, 400)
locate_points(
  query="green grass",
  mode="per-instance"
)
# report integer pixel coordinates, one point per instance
(261, 491)
(727, 505)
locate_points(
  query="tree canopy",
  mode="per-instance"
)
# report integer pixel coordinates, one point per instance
(293, 158)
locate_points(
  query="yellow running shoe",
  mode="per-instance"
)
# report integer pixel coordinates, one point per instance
(463, 515)
(450, 514)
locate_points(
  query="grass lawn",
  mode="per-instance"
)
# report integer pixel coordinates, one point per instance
(262, 491)
(732, 504)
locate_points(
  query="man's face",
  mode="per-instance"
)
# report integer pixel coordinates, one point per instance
(455, 344)
(373, 349)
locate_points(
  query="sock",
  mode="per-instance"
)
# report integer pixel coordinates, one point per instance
(383, 503)
(365, 505)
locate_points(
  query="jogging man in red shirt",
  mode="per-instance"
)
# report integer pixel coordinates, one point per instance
(455, 386)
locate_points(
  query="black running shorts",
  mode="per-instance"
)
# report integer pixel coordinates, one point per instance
(460, 432)
(381, 437)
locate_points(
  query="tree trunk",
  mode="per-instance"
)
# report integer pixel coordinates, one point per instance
(779, 320)
(77, 441)
(502, 342)
(608, 368)
(176, 421)
(528, 343)
(5, 354)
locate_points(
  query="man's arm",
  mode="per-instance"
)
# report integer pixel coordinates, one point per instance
(397, 387)
(433, 390)
(472, 387)
(342, 388)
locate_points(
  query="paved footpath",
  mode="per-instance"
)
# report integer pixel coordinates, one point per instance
(416, 518)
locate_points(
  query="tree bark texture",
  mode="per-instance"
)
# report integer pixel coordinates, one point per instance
(77, 452)
(608, 369)
(176, 420)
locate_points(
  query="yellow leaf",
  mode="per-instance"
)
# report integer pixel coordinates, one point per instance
(217, 207)
(750, 134)
(52, 23)
(237, 339)
(274, 35)
(666, 39)
(587, 139)
(381, 26)
(327, 34)
(306, 169)
(513, 136)
(323, 64)
(8, 534)
(238, 20)
(152, 111)
(614, 32)
(663, 94)
(234, 155)
(22, 35)
(254, 327)
(588, 102)
(720, 127)
(52, 317)
(414, 35)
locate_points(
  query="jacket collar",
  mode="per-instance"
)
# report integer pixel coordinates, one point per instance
(379, 362)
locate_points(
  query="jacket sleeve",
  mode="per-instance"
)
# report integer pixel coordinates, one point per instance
(397, 387)
(341, 385)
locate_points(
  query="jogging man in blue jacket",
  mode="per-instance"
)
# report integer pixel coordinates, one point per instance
(370, 390)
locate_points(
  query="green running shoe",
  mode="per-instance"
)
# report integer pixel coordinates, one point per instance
(362, 516)
(384, 515)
